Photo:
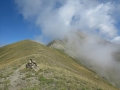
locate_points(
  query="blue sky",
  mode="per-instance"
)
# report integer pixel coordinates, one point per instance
(13, 27)
(44, 21)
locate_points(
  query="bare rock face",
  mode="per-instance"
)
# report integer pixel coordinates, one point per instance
(57, 44)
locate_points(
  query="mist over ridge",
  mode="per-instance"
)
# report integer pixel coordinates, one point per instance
(97, 54)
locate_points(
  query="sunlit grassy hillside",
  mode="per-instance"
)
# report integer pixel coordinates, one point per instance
(55, 70)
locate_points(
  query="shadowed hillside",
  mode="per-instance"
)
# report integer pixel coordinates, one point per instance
(55, 71)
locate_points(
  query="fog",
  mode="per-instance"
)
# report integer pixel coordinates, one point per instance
(88, 26)
(96, 54)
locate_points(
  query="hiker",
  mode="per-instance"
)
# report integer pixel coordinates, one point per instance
(31, 64)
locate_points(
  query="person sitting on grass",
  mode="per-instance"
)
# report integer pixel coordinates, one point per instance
(31, 64)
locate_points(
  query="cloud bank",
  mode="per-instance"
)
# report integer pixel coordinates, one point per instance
(95, 53)
(56, 18)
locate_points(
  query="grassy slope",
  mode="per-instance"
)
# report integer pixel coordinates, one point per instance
(55, 71)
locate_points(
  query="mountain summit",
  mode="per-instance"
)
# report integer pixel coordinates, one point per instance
(55, 70)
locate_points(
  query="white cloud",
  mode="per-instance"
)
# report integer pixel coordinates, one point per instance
(116, 40)
(57, 20)
(28, 8)
(98, 18)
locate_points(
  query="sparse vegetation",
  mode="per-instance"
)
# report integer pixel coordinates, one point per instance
(55, 70)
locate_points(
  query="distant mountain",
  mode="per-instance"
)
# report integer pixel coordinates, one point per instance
(55, 71)
(60, 45)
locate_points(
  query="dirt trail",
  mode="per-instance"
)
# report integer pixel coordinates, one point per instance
(15, 78)
(17, 82)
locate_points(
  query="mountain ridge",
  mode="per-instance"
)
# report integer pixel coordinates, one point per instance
(55, 70)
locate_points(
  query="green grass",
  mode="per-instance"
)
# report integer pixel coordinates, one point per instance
(43, 79)
(56, 70)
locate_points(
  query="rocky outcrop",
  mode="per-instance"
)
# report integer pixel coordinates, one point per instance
(57, 44)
